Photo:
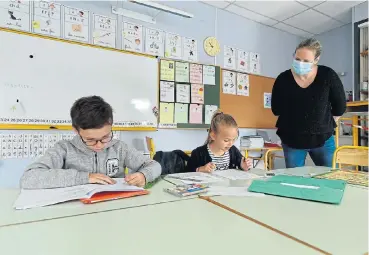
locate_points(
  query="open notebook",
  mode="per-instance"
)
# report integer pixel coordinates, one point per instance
(216, 176)
(88, 193)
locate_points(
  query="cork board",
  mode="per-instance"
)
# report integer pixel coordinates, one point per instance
(249, 111)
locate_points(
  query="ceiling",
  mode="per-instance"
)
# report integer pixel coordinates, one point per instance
(302, 18)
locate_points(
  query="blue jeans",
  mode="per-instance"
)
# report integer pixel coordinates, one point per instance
(321, 156)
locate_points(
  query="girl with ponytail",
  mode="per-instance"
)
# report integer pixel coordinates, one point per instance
(218, 152)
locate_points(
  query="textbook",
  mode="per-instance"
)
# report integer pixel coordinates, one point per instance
(89, 193)
(187, 190)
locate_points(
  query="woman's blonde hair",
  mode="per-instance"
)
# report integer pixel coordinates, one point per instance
(311, 44)
(220, 118)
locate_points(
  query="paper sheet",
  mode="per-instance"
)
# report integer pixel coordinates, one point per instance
(190, 51)
(183, 93)
(229, 82)
(229, 57)
(154, 42)
(166, 113)
(267, 100)
(209, 112)
(43, 197)
(197, 94)
(255, 63)
(182, 72)
(173, 46)
(234, 174)
(167, 70)
(242, 61)
(132, 37)
(196, 73)
(209, 75)
(181, 113)
(195, 114)
(243, 86)
(232, 191)
(195, 177)
(167, 91)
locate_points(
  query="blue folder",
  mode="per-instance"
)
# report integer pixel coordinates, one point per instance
(320, 190)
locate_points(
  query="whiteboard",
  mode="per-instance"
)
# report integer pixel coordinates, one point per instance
(41, 78)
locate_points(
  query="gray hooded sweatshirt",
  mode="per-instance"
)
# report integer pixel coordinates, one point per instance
(69, 163)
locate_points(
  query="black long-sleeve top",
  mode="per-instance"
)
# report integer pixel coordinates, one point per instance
(305, 115)
(200, 157)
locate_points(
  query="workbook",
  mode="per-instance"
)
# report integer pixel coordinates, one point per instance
(31, 198)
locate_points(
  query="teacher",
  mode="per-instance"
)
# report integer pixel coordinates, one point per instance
(308, 99)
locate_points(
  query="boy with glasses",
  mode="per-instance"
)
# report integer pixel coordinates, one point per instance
(92, 156)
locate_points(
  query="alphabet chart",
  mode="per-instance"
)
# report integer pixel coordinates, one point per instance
(32, 145)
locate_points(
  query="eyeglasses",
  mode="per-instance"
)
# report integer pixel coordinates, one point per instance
(94, 142)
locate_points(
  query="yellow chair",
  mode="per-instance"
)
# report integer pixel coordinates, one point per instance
(269, 157)
(150, 146)
(350, 155)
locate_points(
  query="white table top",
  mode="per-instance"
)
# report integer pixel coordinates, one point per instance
(8, 215)
(337, 229)
(187, 227)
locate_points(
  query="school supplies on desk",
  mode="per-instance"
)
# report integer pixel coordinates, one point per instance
(187, 190)
(320, 190)
(42, 197)
(351, 177)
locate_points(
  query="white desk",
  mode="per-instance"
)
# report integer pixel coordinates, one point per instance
(337, 229)
(8, 215)
(188, 227)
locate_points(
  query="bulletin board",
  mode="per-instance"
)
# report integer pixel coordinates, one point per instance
(169, 83)
(249, 111)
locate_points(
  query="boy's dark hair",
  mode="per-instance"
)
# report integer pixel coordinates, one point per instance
(91, 113)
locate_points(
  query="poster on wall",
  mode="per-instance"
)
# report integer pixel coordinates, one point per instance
(132, 37)
(47, 18)
(15, 15)
(190, 51)
(229, 82)
(104, 31)
(173, 46)
(255, 63)
(243, 86)
(267, 100)
(229, 57)
(154, 42)
(242, 61)
(76, 24)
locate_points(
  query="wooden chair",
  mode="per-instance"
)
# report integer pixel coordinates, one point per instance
(350, 155)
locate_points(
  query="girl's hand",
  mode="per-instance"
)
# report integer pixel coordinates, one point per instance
(208, 168)
(246, 164)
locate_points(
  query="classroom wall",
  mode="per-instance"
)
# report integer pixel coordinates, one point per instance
(337, 52)
(274, 46)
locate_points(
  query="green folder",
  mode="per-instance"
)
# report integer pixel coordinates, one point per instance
(320, 190)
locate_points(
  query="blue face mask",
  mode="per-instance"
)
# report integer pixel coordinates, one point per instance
(301, 68)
